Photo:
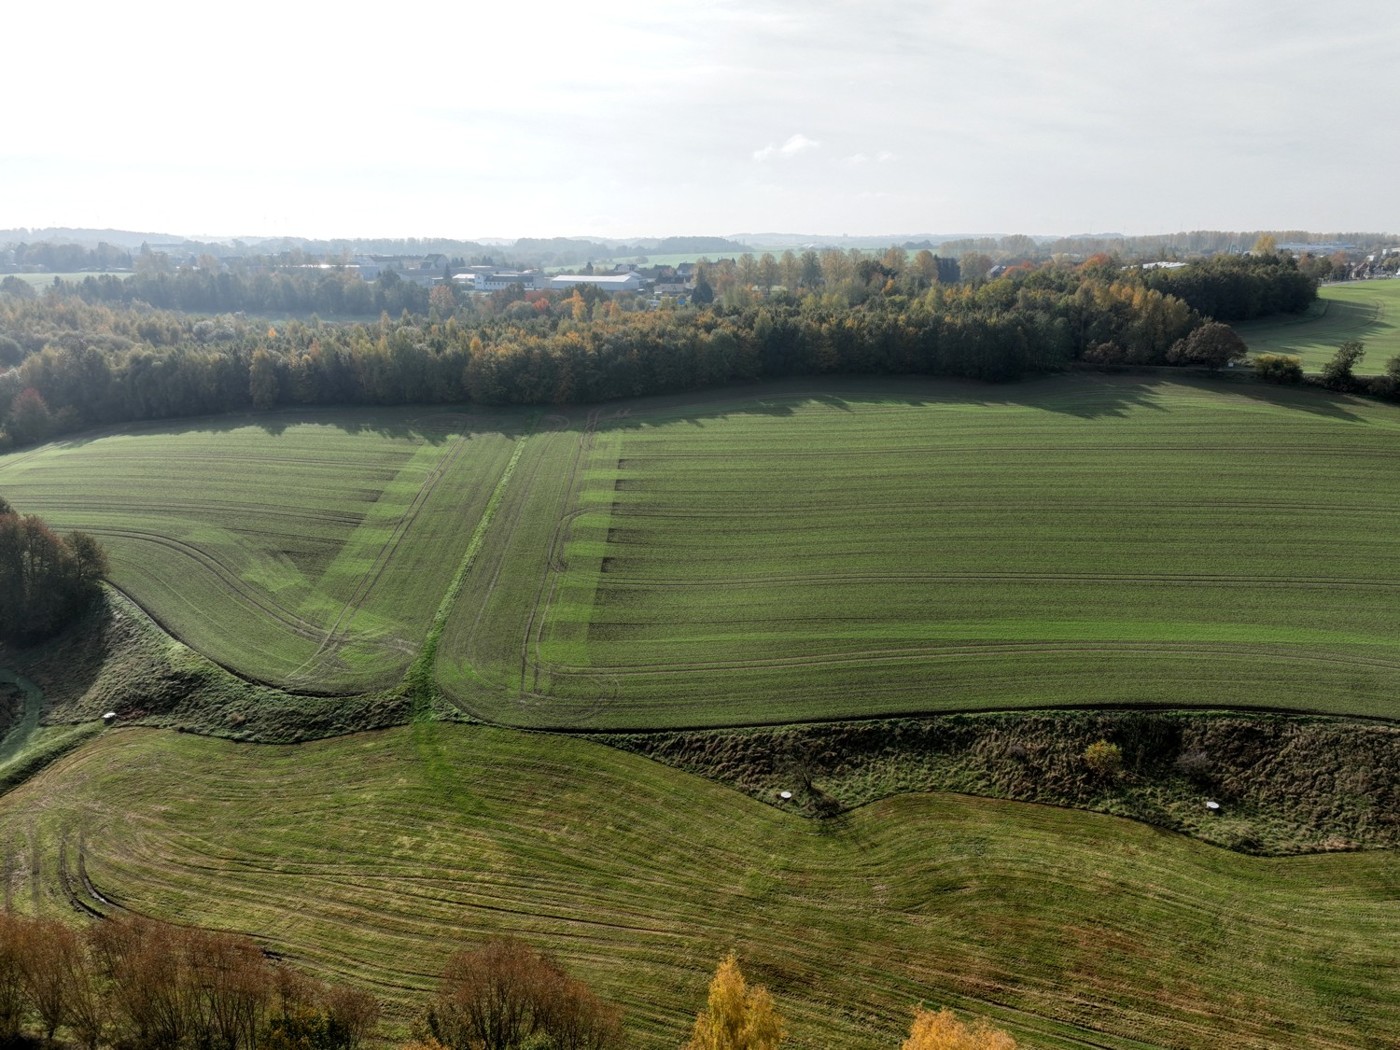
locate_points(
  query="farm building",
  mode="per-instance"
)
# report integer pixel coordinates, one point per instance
(490, 279)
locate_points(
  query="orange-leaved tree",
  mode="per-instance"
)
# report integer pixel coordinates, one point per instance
(942, 1030)
(736, 1016)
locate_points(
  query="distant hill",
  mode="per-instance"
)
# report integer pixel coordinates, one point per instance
(575, 251)
(85, 237)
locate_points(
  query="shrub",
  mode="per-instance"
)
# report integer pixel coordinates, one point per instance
(1279, 368)
(1104, 759)
(1195, 765)
(1386, 386)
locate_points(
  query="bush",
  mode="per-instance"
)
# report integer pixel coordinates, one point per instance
(1195, 765)
(1279, 368)
(1104, 759)
(1386, 387)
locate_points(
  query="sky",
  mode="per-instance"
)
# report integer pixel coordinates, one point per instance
(477, 120)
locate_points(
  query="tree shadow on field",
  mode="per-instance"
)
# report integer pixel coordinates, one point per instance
(1312, 400)
(430, 424)
(1085, 396)
(1082, 394)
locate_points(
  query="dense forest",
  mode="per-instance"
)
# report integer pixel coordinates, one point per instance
(106, 350)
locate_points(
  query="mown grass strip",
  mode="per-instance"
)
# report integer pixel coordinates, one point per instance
(420, 675)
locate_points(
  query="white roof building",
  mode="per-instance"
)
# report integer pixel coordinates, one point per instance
(490, 279)
(613, 282)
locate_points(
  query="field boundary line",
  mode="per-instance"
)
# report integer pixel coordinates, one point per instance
(469, 646)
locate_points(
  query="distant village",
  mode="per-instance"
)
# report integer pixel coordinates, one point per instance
(674, 281)
(1330, 260)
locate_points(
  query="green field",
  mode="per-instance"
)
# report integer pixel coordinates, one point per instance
(1364, 310)
(777, 553)
(307, 551)
(869, 549)
(369, 858)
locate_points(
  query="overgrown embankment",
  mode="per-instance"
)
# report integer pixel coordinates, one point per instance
(1284, 783)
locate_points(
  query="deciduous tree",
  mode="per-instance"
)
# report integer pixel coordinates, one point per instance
(942, 1030)
(498, 996)
(1213, 345)
(736, 1016)
(1337, 373)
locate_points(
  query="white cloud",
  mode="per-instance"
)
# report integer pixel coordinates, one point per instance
(795, 144)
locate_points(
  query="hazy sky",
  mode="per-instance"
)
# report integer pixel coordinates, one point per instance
(648, 118)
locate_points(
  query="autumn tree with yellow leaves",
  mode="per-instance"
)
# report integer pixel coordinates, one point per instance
(942, 1030)
(736, 1016)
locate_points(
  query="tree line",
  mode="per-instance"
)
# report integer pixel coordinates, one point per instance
(335, 291)
(136, 982)
(76, 363)
(131, 981)
(65, 258)
(46, 581)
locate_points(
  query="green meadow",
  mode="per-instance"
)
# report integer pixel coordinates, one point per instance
(306, 551)
(775, 553)
(369, 858)
(795, 553)
(1364, 310)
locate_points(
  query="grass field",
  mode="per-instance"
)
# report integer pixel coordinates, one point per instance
(305, 550)
(776, 553)
(871, 549)
(1364, 310)
(369, 858)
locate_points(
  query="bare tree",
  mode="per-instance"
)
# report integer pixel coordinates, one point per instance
(500, 995)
